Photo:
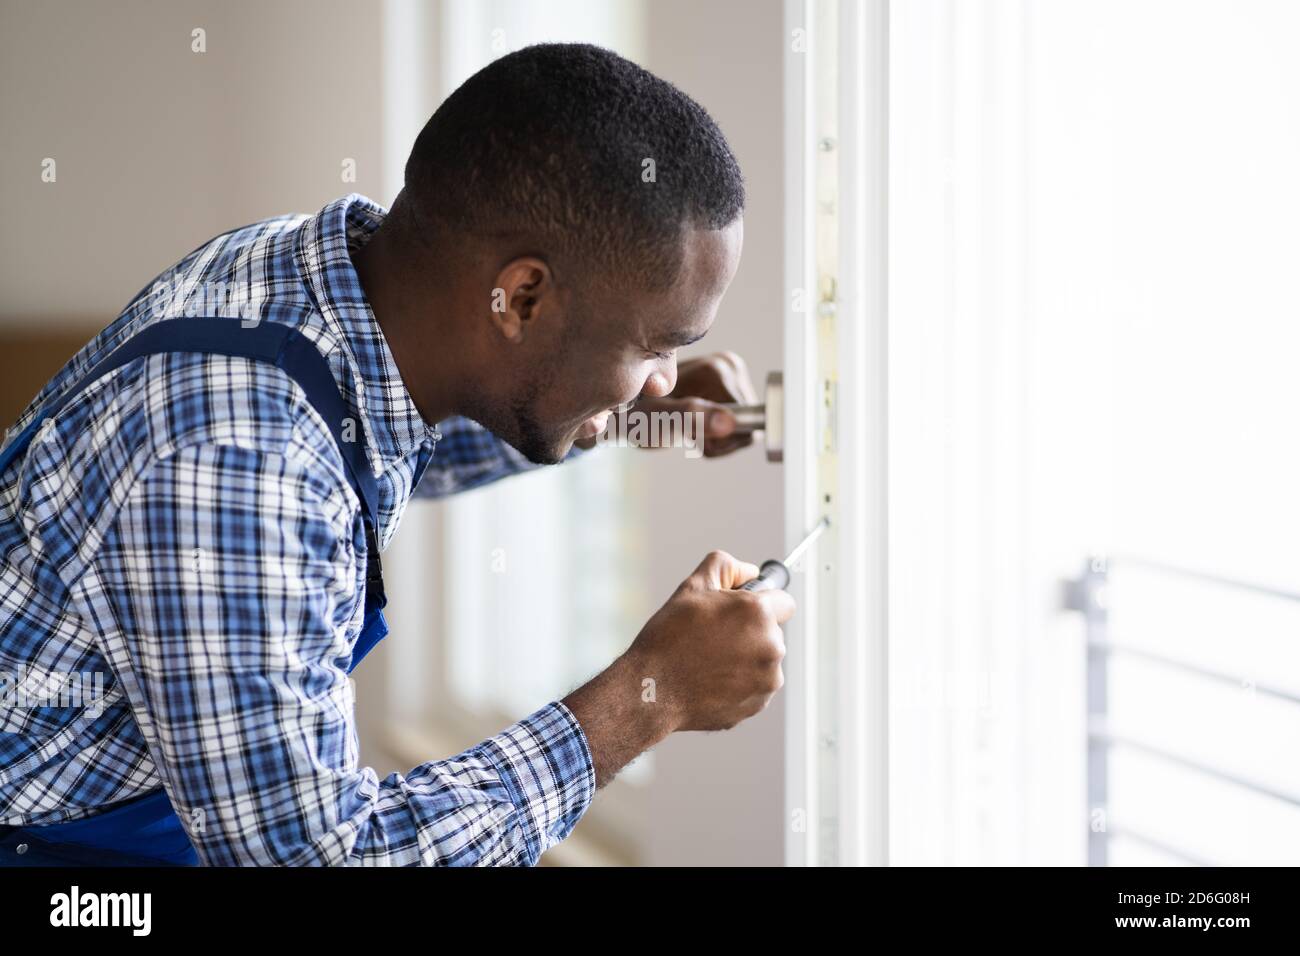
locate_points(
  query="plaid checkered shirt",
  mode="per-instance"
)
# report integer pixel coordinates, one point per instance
(184, 528)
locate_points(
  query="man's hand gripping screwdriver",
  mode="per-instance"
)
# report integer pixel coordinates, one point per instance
(711, 656)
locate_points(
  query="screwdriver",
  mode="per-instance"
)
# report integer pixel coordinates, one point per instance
(776, 574)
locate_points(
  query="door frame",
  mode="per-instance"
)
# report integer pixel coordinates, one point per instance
(836, 437)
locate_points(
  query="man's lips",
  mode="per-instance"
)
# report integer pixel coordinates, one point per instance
(594, 426)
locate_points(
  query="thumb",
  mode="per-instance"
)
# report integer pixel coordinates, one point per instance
(715, 419)
(719, 571)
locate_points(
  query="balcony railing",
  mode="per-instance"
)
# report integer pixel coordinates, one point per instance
(1088, 594)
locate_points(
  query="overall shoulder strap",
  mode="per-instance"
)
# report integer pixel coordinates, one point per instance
(292, 352)
(272, 342)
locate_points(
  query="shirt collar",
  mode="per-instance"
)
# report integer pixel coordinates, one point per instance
(394, 427)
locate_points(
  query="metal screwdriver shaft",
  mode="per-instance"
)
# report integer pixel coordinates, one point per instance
(776, 574)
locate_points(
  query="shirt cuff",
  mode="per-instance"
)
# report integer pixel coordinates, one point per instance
(545, 762)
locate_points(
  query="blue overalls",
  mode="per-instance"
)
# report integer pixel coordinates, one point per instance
(146, 831)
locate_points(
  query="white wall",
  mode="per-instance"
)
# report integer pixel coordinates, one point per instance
(159, 148)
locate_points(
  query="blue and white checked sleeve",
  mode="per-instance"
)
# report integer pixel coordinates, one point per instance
(232, 581)
(469, 456)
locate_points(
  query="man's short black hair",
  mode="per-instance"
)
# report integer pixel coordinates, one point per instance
(602, 160)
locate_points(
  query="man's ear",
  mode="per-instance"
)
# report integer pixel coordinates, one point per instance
(525, 291)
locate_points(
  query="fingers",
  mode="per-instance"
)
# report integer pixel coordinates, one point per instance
(721, 376)
(719, 571)
(698, 417)
(718, 423)
(706, 385)
(778, 603)
(714, 448)
(734, 375)
(693, 422)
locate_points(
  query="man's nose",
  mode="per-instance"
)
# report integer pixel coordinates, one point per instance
(663, 379)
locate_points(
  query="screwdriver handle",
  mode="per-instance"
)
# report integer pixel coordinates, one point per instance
(772, 576)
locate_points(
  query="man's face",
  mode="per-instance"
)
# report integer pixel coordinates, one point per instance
(615, 347)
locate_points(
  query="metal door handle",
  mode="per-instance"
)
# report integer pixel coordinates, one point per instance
(767, 417)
